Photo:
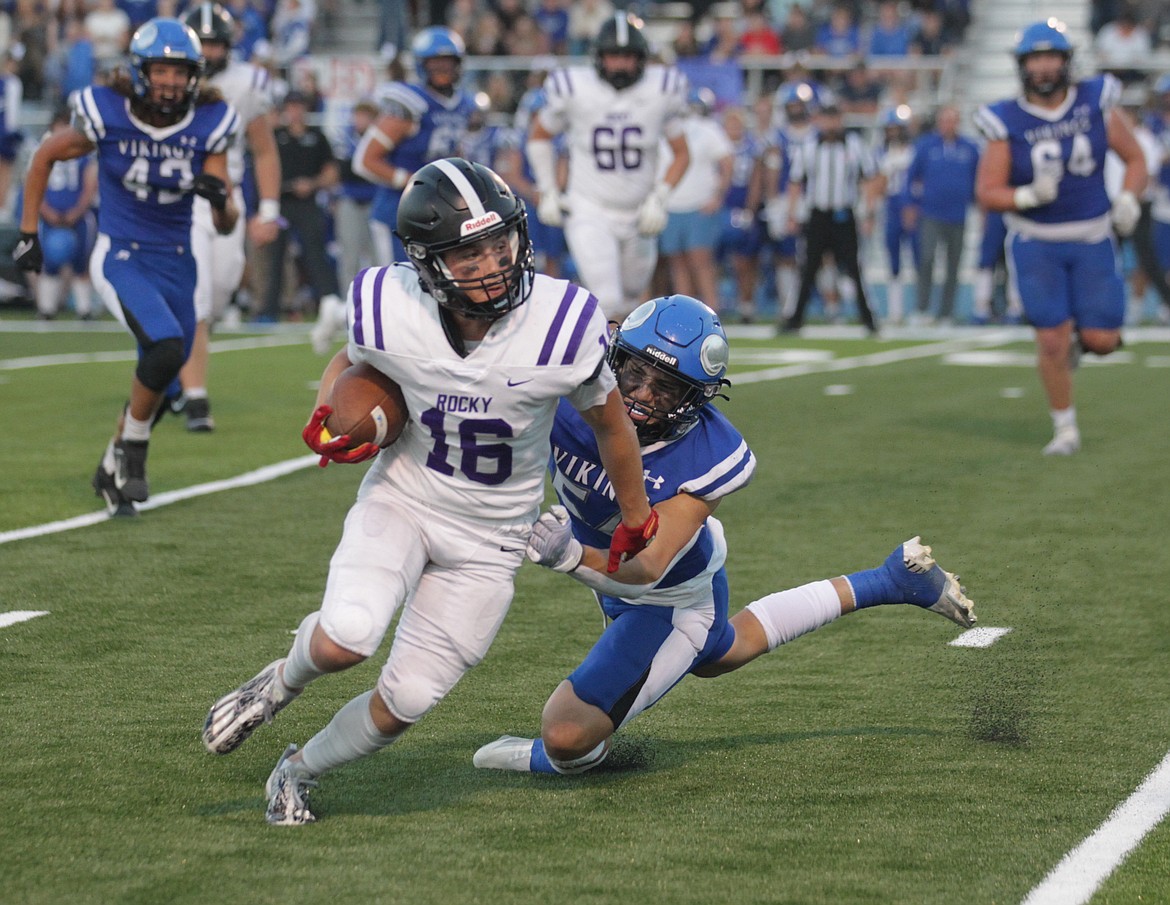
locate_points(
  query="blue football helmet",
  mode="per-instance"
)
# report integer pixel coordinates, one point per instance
(681, 338)
(796, 102)
(165, 40)
(896, 123)
(432, 42)
(1044, 37)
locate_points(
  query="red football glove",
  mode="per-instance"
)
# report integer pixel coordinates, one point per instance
(333, 449)
(629, 542)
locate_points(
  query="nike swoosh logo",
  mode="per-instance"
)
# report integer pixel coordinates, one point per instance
(516, 383)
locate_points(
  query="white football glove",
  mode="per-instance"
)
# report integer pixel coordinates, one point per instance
(1042, 190)
(550, 209)
(552, 544)
(652, 214)
(1126, 213)
(776, 217)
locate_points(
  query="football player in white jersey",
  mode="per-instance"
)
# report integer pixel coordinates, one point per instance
(614, 115)
(484, 350)
(220, 259)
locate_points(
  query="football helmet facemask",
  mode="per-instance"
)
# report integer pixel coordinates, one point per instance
(621, 33)
(670, 356)
(212, 24)
(1044, 37)
(454, 203)
(163, 40)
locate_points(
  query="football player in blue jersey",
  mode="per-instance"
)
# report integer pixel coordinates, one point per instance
(159, 142)
(419, 123)
(1044, 168)
(667, 606)
(69, 230)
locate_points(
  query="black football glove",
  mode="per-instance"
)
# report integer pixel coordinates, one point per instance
(213, 189)
(27, 253)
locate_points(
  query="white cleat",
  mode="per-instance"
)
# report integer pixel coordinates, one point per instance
(288, 793)
(238, 713)
(952, 600)
(1066, 442)
(505, 753)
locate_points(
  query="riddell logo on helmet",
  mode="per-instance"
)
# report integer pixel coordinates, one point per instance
(655, 352)
(480, 223)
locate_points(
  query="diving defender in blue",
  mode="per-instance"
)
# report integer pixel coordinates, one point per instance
(1044, 168)
(159, 141)
(667, 607)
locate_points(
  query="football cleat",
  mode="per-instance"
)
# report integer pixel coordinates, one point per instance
(130, 469)
(105, 486)
(198, 412)
(505, 753)
(924, 583)
(238, 713)
(1065, 442)
(288, 793)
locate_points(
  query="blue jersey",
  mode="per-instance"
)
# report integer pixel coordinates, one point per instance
(63, 189)
(146, 173)
(743, 163)
(710, 461)
(1069, 142)
(440, 124)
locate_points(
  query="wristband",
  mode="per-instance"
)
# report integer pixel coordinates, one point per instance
(268, 211)
(400, 178)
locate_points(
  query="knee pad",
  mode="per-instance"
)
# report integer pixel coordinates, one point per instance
(351, 625)
(409, 698)
(160, 363)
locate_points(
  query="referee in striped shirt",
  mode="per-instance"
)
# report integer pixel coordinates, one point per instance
(828, 171)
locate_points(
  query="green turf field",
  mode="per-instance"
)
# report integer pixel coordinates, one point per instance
(869, 762)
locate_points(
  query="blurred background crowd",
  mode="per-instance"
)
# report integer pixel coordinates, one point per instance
(887, 63)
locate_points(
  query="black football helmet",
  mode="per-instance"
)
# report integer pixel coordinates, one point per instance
(452, 203)
(211, 22)
(621, 33)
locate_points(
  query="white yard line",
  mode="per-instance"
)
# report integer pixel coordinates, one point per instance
(1082, 871)
(248, 479)
(219, 345)
(15, 616)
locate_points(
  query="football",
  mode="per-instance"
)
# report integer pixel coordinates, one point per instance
(368, 406)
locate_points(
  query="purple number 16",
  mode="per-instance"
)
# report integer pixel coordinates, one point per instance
(475, 453)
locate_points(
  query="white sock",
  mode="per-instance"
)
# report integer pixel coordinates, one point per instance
(195, 392)
(350, 735)
(983, 288)
(299, 669)
(1065, 419)
(133, 429)
(786, 615)
(82, 297)
(48, 294)
(895, 299)
(788, 285)
(583, 763)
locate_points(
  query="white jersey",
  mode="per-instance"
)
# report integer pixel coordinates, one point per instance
(247, 88)
(477, 442)
(613, 136)
(708, 145)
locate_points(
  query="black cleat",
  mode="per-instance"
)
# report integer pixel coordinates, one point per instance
(198, 412)
(104, 485)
